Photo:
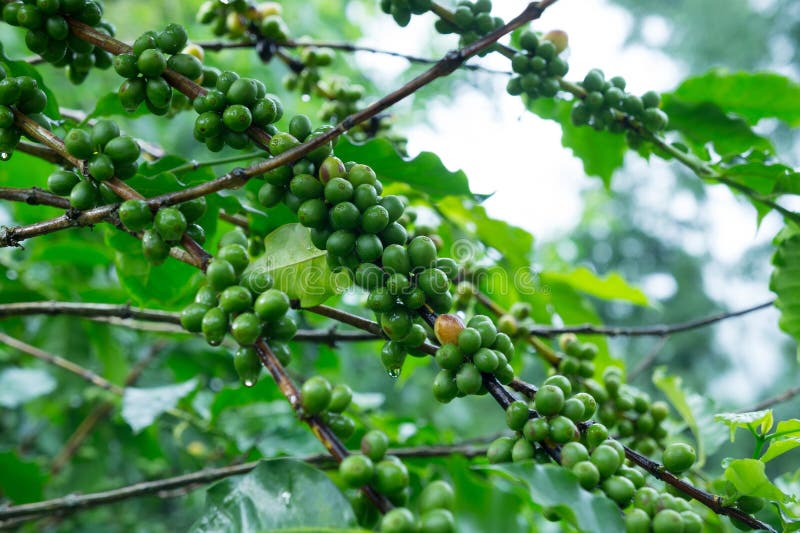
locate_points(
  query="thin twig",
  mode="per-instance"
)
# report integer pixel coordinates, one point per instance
(76, 502)
(780, 398)
(649, 359)
(88, 375)
(238, 177)
(323, 433)
(216, 46)
(99, 413)
(659, 330)
(329, 336)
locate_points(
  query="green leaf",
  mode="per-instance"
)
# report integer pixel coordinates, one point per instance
(270, 426)
(515, 244)
(278, 495)
(765, 178)
(601, 152)
(750, 479)
(22, 68)
(695, 410)
(22, 481)
(754, 421)
(785, 283)
(704, 122)
(557, 488)
(109, 105)
(167, 286)
(141, 407)
(611, 287)
(752, 96)
(785, 438)
(299, 268)
(21, 385)
(425, 173)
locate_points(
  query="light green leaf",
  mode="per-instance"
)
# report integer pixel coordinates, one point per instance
(299, 268)
(704, 122)
(425, 173)
(601, 152)
(752, 96)
(141, 407)
(557, 488)
(21, 385)
(786, 438)
(765, 178)
(752, 421)
(750, 479)
(785, 283)
(696, 410)
(278, 495)
(611, 287)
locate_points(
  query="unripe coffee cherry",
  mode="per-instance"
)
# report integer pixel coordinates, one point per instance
(447, 327)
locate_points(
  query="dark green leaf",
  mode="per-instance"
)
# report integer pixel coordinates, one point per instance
(785, 283)
(425, 173)
(278, 495)
(109, 105)
(557, 488)
(701, 123)
(22, 481)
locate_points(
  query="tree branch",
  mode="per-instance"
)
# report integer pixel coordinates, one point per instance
(780, 398)
(88, 375)
(33, 196)
(328, 336)
(74, 503)
(659, 330)
(99, 413)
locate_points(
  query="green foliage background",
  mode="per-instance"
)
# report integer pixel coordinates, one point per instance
(40, 407)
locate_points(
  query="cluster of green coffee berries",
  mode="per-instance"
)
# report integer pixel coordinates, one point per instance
(471, 20)
(50, 35)
(559, 415)
(661, 512)
(468, 352)
(605, 98)
(23, 94)
(319, 398)
(401, 10)
(166, 228)
(237, 18)
(227, 111)
(539, 65)
(305, 76)
(388, 475)
(107, 155)
(144, 66)
(244, 304)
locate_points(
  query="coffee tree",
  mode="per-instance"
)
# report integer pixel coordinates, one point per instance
(231, 317)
